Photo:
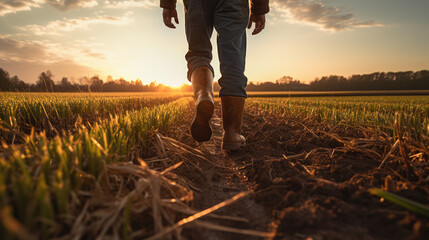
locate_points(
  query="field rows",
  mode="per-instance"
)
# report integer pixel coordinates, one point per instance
(62, 153)
(379, 112)
(41, 178)
(57, 112)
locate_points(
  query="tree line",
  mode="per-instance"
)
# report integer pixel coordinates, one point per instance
(46, 83)
(408, 80)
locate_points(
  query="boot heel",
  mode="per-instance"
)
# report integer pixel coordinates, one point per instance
(232, 146)
(232, 117)
(200, 128)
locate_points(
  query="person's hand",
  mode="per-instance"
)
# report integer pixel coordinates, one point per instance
(259, 21)
(167, 15)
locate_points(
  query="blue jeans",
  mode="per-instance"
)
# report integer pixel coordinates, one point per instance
(230, 19)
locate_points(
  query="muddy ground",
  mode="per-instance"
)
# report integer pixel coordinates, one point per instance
(308, 181)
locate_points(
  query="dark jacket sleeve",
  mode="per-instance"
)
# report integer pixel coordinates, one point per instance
(260, 7)
(170, 4)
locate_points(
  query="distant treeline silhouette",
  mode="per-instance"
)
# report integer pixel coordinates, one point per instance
(45, 83)
(408, 80)
(365, 82)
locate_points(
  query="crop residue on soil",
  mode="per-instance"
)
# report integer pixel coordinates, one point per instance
(309, 180)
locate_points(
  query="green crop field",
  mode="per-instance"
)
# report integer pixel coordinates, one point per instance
(39, 176)
(381, 112)
(56, 151)
(56, 112)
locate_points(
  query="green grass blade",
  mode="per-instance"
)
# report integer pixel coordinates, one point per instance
(401, 201)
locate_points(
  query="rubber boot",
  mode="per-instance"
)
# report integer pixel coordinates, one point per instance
(202, 83)
(232, 117)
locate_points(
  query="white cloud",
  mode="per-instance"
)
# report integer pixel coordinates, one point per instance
(318, 14)
(14, 6)
(66, 25)
(131, 4)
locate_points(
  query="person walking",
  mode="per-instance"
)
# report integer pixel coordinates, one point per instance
(230, 19)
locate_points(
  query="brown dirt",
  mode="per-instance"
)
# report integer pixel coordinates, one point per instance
(319, 191)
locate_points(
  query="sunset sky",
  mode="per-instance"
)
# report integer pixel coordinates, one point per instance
(125, 38)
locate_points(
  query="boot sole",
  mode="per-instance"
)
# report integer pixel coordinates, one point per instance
(233, 146)
(200, 129)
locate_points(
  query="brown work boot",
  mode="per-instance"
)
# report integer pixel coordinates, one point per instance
(202, 83)
(232, 117)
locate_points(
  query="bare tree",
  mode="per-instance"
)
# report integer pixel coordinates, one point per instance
(45, 82)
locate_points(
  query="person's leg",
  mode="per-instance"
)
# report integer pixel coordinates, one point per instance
(230, 21)
(199, 28)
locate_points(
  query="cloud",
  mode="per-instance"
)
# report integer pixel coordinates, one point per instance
(67, 25)
(131, 4)
(71, 4)
(27, 59)
(318, 14)
(93, 54)
(14, 6)
(45, 51)
(28, 51)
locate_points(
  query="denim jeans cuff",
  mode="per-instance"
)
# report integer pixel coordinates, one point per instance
(202, 64)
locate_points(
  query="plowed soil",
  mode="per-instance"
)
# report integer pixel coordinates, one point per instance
(307, 181)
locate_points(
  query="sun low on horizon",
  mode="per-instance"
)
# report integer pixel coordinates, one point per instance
(127, 39)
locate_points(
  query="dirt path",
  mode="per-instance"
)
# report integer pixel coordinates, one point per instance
(319, 192)
(226, 179)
